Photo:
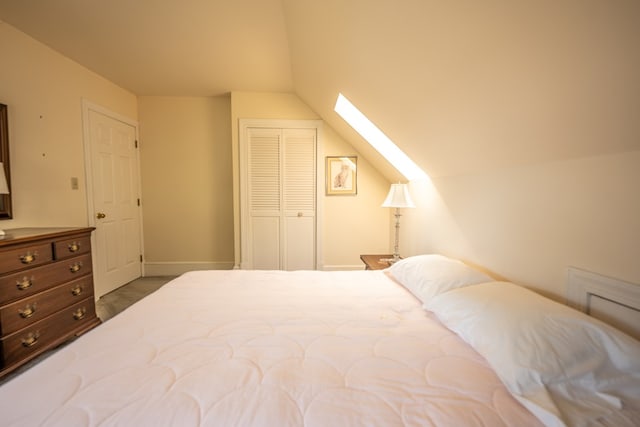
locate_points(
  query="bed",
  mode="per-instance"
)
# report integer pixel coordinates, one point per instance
(409, 346)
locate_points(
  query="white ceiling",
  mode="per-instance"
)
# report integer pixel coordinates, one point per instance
(461, 86)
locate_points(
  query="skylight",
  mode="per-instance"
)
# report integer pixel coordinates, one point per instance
(378, 140)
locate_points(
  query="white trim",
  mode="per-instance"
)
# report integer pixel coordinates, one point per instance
(338, 267)
(178, 268)
(582, 284)
(88, 106)
(586, 291)
(319, 194)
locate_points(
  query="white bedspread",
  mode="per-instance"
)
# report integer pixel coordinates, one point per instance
(250, 348)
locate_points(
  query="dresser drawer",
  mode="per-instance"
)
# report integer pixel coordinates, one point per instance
(26, 283)
(32, 309)
(44, 333)
(25, 257)
(71, 247)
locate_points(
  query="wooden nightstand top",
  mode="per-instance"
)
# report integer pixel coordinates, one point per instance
(374, 262)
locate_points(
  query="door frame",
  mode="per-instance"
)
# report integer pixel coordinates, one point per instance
(244, 125)
(87, 107)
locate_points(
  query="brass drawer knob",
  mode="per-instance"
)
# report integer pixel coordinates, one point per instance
(74, 247)
(74, 268)
(28, 311)
(76, 291)
(28, 258)
(31, 339)
(24, 284)
(79, 313)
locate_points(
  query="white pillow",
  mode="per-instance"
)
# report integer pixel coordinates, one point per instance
(564, 366)
(429, 275)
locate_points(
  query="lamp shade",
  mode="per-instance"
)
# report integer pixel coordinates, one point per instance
(4, 188)
(398, 197)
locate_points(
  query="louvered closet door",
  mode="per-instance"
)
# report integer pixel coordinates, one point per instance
(299, 186)
(265, 198)
(282, 198)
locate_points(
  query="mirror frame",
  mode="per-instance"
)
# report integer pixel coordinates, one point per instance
(5, 199)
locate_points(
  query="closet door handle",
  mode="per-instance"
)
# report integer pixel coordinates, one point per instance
(101, 215)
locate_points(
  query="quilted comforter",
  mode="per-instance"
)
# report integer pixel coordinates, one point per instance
(266, 348)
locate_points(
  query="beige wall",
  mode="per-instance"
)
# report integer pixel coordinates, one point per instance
(44, 92)
(186, 183)
(355, 225)
(528, 224)
(350, 225)
(188, 150)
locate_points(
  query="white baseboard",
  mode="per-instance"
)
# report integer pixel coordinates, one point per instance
(178, 268)
(342, 267)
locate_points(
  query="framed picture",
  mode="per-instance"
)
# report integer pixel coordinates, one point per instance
(5, 199)
(342, 175)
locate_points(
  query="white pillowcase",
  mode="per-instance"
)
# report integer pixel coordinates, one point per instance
(429, 275)
(564, 366)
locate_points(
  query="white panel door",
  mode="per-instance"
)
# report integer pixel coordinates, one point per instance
(114, 175)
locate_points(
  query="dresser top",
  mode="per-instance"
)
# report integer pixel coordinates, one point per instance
(23, 235)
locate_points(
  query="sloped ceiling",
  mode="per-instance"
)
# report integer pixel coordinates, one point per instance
(465, 87)
(166, 47)
(461, 86)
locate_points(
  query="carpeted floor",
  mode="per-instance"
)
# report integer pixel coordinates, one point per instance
(116, 301)
(106, 307)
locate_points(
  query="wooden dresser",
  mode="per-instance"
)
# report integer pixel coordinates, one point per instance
(46, 291)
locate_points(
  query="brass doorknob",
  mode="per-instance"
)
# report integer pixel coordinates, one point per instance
(100, 215)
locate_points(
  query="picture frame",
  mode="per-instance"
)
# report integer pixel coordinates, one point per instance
(6, 211)
(341, 175)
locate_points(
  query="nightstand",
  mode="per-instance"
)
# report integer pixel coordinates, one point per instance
(373, 262)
